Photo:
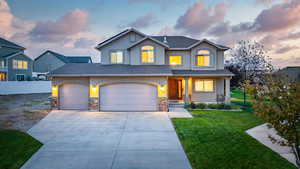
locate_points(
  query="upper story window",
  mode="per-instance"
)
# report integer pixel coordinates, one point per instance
(175, 60)
(203, 58)
(116, 57)
(147, 54)
(2, 64)
(20, 64)
(204, 85)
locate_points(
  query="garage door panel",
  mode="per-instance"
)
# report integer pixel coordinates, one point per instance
(128, 97)
(74, 96)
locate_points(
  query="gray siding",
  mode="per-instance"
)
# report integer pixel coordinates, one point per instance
(185, 56)
(208, 97)
(159, 53)
(204, 46)
(6, 51)
(47, 63)
(121, 44)
(13, 72)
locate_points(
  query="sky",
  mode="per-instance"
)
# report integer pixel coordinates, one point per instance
(76, 27)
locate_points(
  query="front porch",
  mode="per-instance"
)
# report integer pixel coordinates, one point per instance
(209, 89)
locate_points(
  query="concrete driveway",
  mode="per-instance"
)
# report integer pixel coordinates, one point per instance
(107, 140)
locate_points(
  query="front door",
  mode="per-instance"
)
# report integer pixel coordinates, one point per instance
(175, 89)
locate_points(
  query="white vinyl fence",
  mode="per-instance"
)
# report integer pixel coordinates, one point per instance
(24, 87)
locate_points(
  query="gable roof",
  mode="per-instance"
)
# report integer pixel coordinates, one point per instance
(6, 43)
(117, 36)
(148, 38)
(68, 59)
(79, 59)
(173, 42)
(176, 41)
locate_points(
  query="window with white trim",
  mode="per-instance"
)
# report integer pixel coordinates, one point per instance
(116, 57)
(20, 64)
(175, 60)
(147, 54)
(204, 85)
(2, 64)
(203, 58)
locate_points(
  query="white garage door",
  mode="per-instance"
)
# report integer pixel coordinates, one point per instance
(128, 97)
(74, 96)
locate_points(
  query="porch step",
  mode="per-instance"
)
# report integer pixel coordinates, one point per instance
(174, 105)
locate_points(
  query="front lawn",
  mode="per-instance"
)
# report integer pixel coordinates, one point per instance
(216, 139)
(16, 148)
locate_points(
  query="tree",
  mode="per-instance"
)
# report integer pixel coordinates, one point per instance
(278, 103)
(238, 76)
(251, 60)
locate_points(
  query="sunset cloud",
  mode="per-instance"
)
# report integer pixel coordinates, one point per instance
(70, 24)
(144, 21)
(198, 18)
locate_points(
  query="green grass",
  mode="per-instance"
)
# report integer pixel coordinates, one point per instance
(216, 139)
(16, 148)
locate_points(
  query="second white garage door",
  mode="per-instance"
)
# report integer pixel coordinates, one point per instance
(128, 97)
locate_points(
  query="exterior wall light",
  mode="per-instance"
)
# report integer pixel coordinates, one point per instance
(162, 90)
(94, 91)
(54, 91)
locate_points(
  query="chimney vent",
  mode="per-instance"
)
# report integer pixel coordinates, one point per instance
(165, 39)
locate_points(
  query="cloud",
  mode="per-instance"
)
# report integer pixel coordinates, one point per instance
(291, 36)
(167, 31)
(70, 24)
(144, 21)
(197, 19)
(9, 24)
(279, 17)
(285, 49)
(84, 43)
(289, 61)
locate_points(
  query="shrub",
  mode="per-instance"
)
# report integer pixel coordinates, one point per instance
(193, 105)
(212, 106)
(227, 106)
(200, 106)
(187, 106)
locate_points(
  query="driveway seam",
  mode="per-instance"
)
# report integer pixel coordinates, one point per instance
(116, 150)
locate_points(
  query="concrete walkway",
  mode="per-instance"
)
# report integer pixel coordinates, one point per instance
(261, 133)
(178, 112)
(107, 140)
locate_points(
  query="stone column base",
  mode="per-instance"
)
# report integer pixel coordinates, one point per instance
(163, 104)
(54, 103)
(94, 104)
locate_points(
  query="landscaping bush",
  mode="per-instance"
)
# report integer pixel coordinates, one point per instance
(227, 106)
(201, 106)
(193, 105)
(212, 106)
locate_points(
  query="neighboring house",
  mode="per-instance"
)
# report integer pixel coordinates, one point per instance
(144, 73)
(50, 60)
(290, 72)
(14, 64)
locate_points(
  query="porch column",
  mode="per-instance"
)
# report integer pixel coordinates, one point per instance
(186, 93)
(227, 90)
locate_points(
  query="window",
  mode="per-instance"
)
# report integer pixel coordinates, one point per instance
(116, 57)
(175, 60)
(19, 64)
(2, 76)
(147, 54)
(203, 58)
(20, 77)
(2, 64)
(204, 85)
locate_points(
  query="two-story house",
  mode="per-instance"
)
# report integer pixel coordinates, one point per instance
(144, 73)
(14, 64)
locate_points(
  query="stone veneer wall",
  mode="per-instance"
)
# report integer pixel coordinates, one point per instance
(163, 104)
(54, 103)
(94, 104)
